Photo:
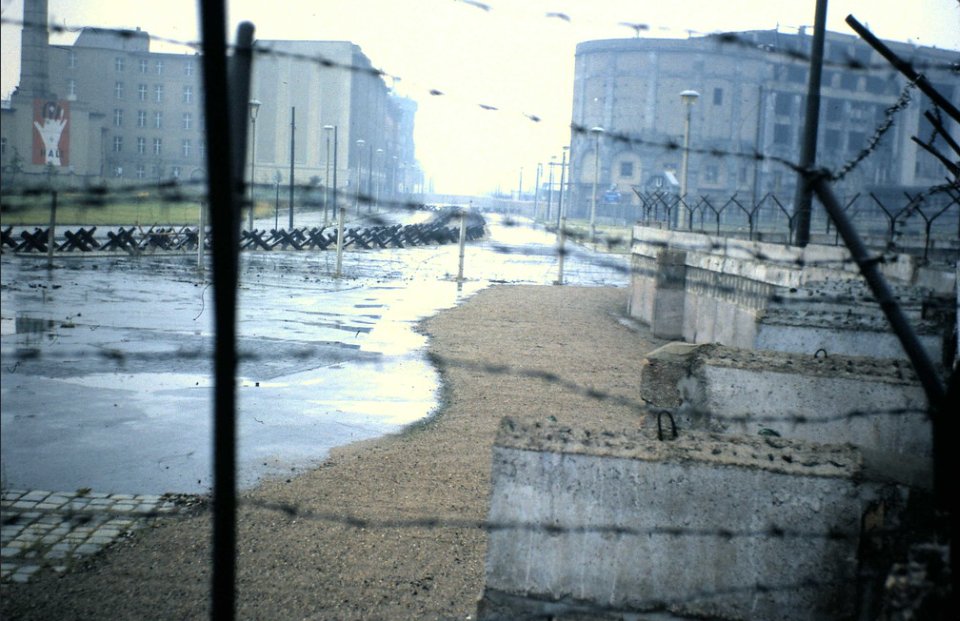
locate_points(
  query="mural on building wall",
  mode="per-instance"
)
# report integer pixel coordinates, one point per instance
(51, 144)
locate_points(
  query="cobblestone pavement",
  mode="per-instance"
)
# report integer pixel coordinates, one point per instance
(56, 529)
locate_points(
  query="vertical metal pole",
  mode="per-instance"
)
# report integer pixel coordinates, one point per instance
(536, 192)
(684, 165)
(341, 217)
(328, 196)
(293, 127)
(596, 180)
(520, 186)
(201, 239)
(253, 156)
(336, 198)
(546, 217)
(370, 177)
(757, 147)
(563, 178)
(808, 150)
(52, 234)
(561, 251)
(463, 242)
(276, 208)
(224, 167)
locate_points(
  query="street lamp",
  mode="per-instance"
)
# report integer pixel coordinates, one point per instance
(360, 143)
(563, 171)
(597, 131)
(688, 98)
(333, 190)
(254, 106)
(553, 162)
(376, 195)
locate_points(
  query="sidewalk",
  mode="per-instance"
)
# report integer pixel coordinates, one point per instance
(57, 529)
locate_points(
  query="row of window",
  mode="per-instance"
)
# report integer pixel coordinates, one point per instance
(186, 119)
(141, 171)
(186, 95)
(120, 64)
(186, 146)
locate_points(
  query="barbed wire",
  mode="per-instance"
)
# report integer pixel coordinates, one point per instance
(882, 128)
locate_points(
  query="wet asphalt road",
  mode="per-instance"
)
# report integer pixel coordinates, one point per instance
(105, 378)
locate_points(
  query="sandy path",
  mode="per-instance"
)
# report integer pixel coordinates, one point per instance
(385, 529)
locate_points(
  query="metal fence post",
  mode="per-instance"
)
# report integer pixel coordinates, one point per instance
(341, 216)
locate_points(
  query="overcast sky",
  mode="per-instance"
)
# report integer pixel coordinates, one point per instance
(511, 55)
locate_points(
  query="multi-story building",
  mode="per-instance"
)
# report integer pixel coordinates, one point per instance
(312, 85)
(106, 107)
(752, 91)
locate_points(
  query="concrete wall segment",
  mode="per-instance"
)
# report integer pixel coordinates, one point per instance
(585, 513)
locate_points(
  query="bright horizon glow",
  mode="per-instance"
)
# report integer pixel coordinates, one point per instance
(518, 57)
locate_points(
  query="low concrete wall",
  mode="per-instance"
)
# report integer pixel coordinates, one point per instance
(756, 295)
(601, 525)
(877, 405)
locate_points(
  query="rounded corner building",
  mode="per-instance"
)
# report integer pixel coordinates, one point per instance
(749, 96)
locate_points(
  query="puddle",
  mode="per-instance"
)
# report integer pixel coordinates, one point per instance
(107, 402)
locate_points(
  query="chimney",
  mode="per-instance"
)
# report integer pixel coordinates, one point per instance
(34, 42)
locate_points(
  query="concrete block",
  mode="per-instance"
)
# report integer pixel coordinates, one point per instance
(610, 525)
(875, 404)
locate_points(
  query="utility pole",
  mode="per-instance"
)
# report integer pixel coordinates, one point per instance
(808, 151)
(536, 192)
(293, 126)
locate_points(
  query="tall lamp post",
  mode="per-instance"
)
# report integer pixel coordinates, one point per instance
(254, 106)
(597, 131)
(688, 98)
(333, 189)
(536, 192)
(376, 194)
(563, 180)
(360, 143)
(553, 162)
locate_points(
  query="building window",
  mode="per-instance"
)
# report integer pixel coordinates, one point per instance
(118, 64)
(781, 134)
(143, 65)
(141, 118)
(117, 117)
(626, 169)
(141, 145)
(856, 140)
(175, 172)
(188, 68)
(118, 171)
(185, 148)
(202, 148)
(71, 88)
(158, 120)
(159, 67)
(718, 96)
(187, 94)
(187, 120)
(831, 139)
(711, 174)
(118, 90)
(157, 146)
(141, 171)
(158, 93)
(784, 104)
(849, 81)
(142, 92)
(72, 60)
(834, 109)
(117, 144)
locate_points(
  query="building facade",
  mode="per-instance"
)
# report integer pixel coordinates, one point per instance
(107, 108)
(752, 96)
